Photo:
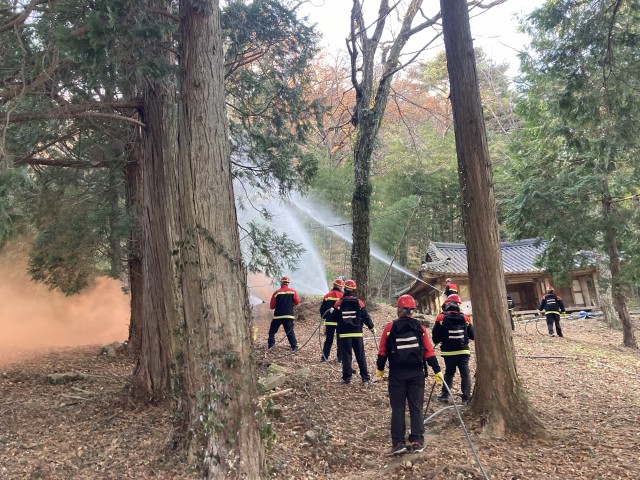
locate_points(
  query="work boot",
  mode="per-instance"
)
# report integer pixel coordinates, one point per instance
(443, 398)
(345, 382)
(398, 449)
(552, 334)
(295, 349)
(415, 447)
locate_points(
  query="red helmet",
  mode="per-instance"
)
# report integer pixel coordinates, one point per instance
(455, 298)
(285, 280)
(338, 282)
(406, 301)
(350, 285)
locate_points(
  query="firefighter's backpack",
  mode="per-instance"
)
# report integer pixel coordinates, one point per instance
(351, 312)
(405, 342)
(551, 303)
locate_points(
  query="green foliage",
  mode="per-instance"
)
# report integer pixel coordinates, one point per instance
(12, 183)
(578, 147)
(73, 222)
(268, 251)
(268, 74)
(83, 54)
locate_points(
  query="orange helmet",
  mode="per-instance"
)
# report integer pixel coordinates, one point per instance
(338, 282)
(455, 298)
(407, 301)
(350, 285)
(285, 280)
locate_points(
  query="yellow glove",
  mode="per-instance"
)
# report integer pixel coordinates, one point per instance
(379, 374)
(564, 314)
(438, 377)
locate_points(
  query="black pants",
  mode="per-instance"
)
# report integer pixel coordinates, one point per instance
(551, 319)
(287, 323)
(406, 387)
(511, 314)
(348, 346)
(330, 331)
(461, 363)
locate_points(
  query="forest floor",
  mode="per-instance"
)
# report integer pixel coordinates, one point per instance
(589, 402)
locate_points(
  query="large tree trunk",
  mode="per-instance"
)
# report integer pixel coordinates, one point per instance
(212, 336)
(619, 300)
(152, 377)
(605, 294)
(133, 194)
(361, 201)
(498, 396)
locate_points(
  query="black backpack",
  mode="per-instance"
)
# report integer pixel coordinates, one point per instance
(510, 302)
(350, 310)
(551, 302)
(405, 342)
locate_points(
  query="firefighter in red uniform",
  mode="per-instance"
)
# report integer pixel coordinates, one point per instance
(552, 306)
(454, 330)
(330, 325)
(350, 314)
(406, 344)
(282, 302)
(450, 288)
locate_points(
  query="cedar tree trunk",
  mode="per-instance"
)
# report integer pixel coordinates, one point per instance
(498, 396)
(619, 301)
(212, 337)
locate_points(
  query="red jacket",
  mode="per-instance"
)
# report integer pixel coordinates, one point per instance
(428, 346)
(282, 302)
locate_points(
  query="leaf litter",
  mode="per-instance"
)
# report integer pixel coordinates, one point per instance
(588, 401)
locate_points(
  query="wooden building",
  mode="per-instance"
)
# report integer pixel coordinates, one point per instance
(524, 281)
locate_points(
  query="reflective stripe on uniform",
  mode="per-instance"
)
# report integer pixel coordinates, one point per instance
(550, 311)
(285, 293)
(456, 334)
(406, 342)
(331, 298)
(350, 335)
(330, 324)
(457, 352)
(284, 316)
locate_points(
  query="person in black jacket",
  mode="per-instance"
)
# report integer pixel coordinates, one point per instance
(454, 330)
(552, 306)
(350, 314)
(330, 325)
(282, 302)
(405, 343)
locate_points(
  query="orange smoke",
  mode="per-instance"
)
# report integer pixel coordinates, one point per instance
(34, 319)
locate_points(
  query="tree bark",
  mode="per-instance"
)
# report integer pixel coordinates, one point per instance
(498, 396)
(617, 292)
(133, 194)
(152, 380)
(212, 336)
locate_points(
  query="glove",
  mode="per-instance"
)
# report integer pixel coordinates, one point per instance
(564, 314)
(438, 377)
(379, 374)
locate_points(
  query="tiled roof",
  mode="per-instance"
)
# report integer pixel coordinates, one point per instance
(517, 257)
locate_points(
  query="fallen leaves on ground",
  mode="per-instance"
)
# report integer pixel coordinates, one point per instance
(589, 403)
